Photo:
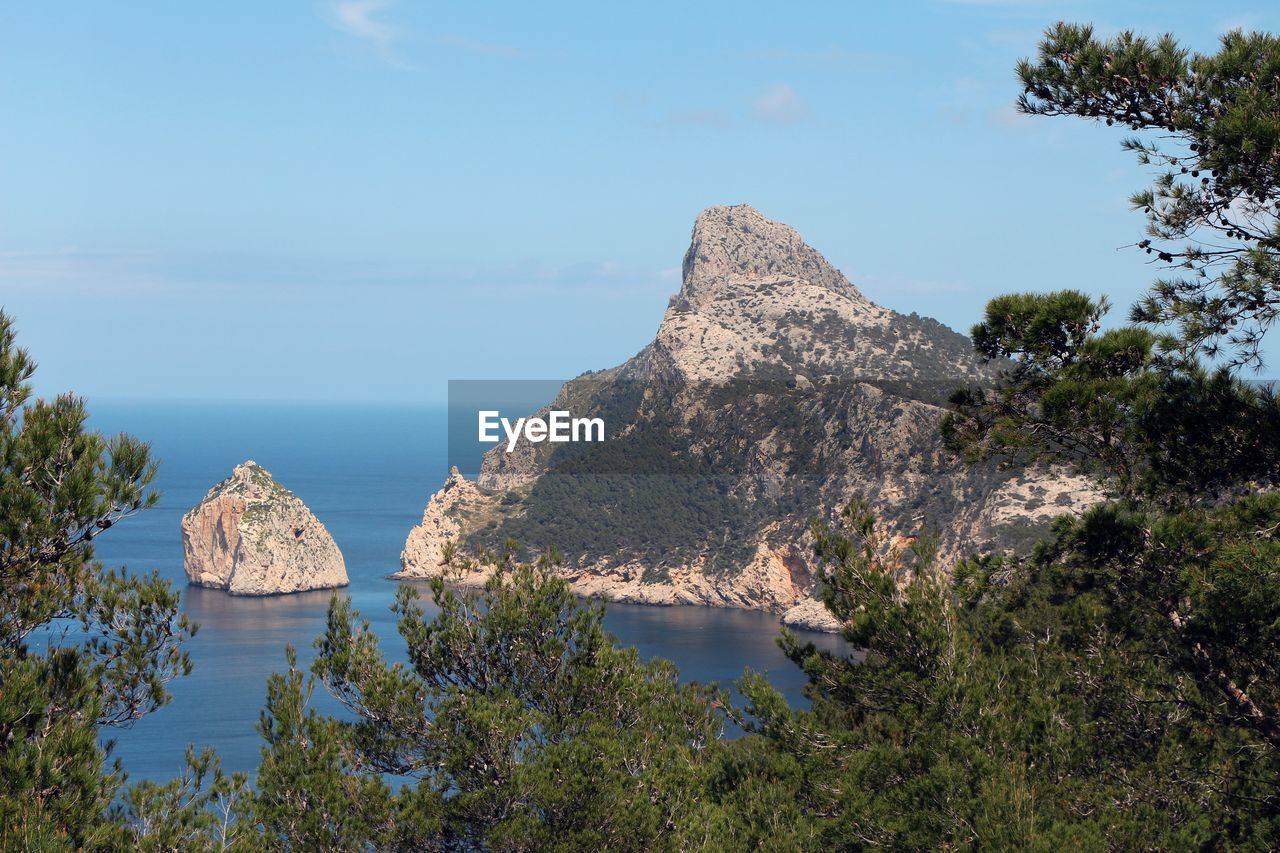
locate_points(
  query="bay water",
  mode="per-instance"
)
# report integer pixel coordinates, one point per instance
(366, 471)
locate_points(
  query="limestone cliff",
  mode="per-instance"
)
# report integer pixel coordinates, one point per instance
(252, 536)
(773, 391)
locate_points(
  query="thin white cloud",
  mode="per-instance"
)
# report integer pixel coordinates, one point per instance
(779, 104)
(1008, 4)
(1009, 116)
(127, 274)
(886, 287)
(483, 48)
(834, 59)
(356, 17)
(364, 20)
(712, 119)
(73, 270)
(1024, 40)
(1247, 23)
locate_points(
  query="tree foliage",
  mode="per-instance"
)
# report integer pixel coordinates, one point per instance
(1114, 690)
(518, 723)
(81, 647)
(1210, 125)
(1147, 426)
(1117, 687)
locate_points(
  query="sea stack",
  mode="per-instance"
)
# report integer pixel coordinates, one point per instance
(252, 536)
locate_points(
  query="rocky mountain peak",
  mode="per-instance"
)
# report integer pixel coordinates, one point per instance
(251, 474)
(757, 301)
(736, 244)
(703, 490)
(246, 469)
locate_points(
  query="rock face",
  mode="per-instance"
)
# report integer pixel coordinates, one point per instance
(252, 536)
(773, 391)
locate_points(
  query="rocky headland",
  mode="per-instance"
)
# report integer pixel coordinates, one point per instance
(774, 391)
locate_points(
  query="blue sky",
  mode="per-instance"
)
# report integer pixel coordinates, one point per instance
(359, 200)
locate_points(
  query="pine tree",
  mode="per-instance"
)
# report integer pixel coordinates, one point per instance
(517, 723)
(1211, 125)
(82, 647)
(1117, 687)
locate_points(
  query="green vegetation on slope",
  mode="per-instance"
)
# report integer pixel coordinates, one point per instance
(1117, 688)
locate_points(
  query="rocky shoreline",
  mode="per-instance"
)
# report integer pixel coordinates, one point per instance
(775, 580)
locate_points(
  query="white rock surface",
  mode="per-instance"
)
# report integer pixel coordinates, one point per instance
(252, 536)
(810, 614)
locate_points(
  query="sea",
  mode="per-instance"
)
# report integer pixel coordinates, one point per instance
(366, 471)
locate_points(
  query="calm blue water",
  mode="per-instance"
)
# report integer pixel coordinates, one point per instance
(366, 472)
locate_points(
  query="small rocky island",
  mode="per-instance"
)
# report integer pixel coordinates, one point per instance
(252, 536)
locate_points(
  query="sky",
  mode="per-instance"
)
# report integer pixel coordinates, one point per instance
(354, 201)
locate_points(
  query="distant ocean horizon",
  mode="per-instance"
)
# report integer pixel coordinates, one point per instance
(366, 471)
